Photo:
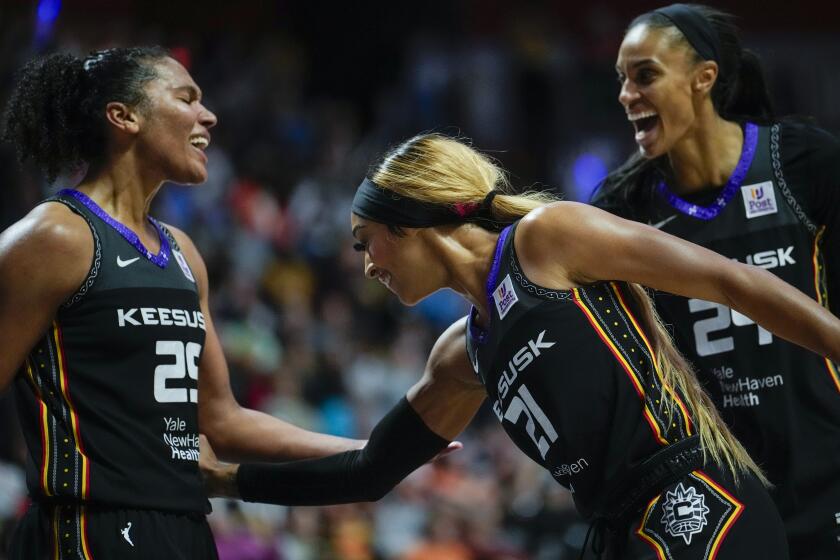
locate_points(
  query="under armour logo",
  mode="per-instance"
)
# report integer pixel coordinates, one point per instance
(125, 534)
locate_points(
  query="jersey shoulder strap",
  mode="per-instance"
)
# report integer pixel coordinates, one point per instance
(96, 264)
(781, 182)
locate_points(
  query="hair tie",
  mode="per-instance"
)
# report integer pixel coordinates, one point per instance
(487, 203)
(466, 209)
(93, 59)
(483, 208)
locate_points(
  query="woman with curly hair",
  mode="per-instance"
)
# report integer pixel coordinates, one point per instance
(107, 333)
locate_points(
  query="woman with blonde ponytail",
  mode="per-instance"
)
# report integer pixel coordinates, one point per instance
(715, 167)
(570, 352)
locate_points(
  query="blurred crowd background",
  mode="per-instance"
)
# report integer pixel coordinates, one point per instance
(308, 93)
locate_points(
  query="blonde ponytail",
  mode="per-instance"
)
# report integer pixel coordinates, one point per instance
(441, 170)
(677, 374)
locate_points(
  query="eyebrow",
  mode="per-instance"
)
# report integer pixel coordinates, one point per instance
(356, 228)
(194, 91)
(637, 63)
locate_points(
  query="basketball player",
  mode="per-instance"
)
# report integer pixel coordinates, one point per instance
(570, 352)
(106, 328)
(714, 167)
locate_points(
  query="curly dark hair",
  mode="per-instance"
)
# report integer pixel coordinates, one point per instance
(56, 113)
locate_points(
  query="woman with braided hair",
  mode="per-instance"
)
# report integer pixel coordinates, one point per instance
(715, 167)
(566, 345)
(104, 312)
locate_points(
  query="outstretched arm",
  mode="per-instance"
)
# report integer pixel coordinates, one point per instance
(239, 433)
(579, 244)
(435, 410)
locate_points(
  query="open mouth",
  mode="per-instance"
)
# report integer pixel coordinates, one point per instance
(199, 142)
(644, 123)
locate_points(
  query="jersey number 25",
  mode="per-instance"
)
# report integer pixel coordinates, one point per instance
(186, 358)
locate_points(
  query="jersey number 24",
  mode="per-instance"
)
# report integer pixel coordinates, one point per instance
(723, 318)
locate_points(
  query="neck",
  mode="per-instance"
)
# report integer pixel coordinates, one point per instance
(707, 155)
(123, 190)
(467, 255)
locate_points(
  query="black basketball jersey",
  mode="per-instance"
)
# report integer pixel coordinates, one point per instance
(108, 396)
(782, 401)
(571, 377)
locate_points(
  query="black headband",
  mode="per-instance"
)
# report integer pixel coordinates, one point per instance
(697, 29)
(374, 203)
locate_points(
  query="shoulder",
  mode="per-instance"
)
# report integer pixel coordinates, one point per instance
(544, 217)
(49, 228)
(802, 139)
(810, 160)
(50, 248)
(555, 225)
(568, 244)
(190, 252)
(450, 345)
(448, 358)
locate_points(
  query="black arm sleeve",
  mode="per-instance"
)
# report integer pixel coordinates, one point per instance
(399, 443)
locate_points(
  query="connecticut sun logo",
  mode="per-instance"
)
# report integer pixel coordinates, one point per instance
(685, 512)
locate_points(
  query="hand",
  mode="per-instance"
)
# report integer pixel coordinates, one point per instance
(451, 448)
(219, 478)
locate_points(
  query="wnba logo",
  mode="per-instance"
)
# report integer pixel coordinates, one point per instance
(759, 199)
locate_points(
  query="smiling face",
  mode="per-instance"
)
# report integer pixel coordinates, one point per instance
(661, 87)
(403, 263)
(175, 125)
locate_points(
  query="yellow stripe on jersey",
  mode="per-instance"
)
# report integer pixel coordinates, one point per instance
(83, 533)
(739, 508)
(43, 420)
(636, 382)
(665, 386)
(822, 299)
(74, 421)
(660, 553)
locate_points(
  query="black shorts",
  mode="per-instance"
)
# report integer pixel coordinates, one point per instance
(813, 524)
(706, 516)
(92, 532)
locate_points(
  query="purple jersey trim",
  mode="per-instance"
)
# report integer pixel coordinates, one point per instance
(161, 259)
(478, 334)
(732, 185)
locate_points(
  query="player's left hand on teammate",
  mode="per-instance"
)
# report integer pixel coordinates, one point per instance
(219, 478)
(453, 447)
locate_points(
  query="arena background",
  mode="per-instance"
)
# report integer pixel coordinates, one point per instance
(307, 94)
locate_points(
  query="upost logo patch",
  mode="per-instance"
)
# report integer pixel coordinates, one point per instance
(505, 297)
(759, 199)
(185, 268)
